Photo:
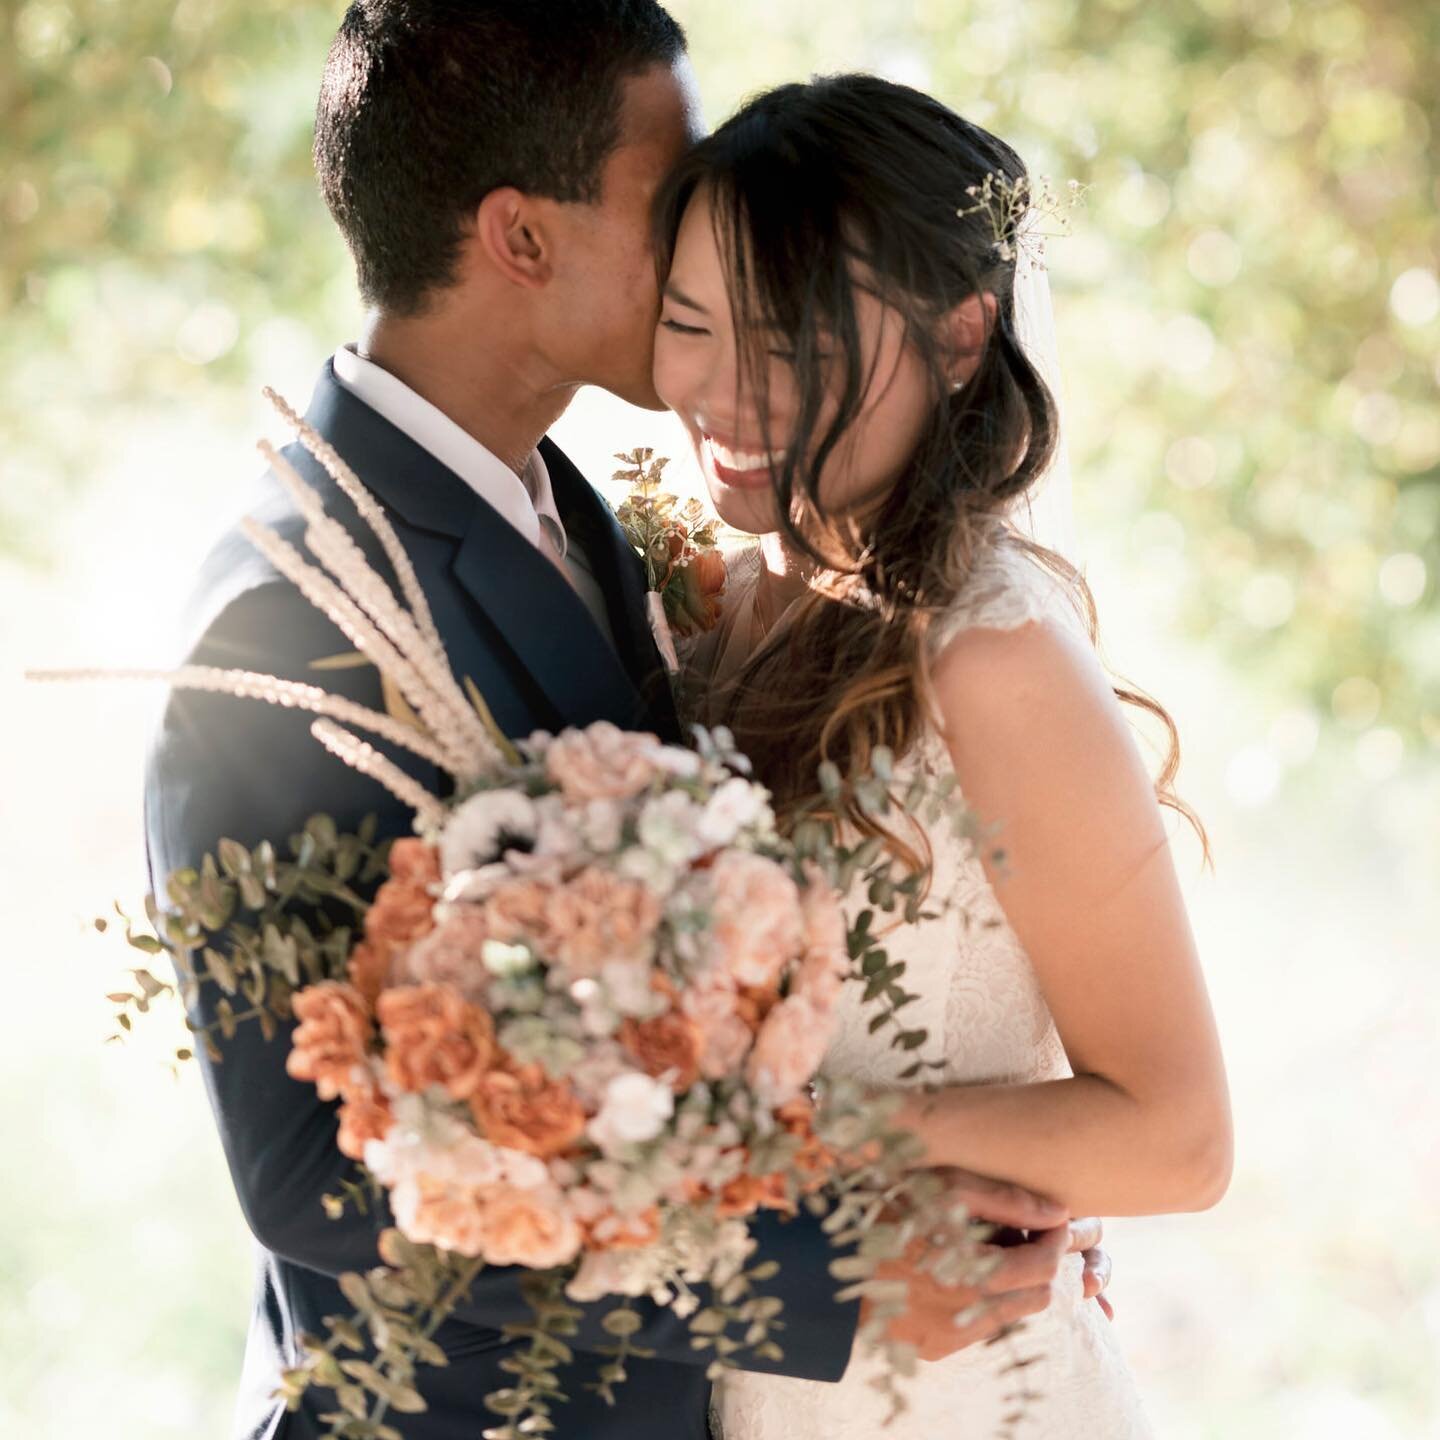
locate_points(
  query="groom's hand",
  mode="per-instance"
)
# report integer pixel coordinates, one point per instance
(941, 1319)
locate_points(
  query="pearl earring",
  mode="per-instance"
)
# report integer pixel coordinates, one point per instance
(957, 387)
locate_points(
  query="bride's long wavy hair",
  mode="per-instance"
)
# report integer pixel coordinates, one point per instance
(812, 187)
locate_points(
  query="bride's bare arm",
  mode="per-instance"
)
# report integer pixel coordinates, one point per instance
(1041, 747)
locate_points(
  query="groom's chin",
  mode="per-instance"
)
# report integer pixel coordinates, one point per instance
(639, 391)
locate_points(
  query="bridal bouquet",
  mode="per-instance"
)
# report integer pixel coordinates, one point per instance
(583, 1018)
(578, 1027)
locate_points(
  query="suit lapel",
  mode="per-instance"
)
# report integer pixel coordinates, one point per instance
(622, 578)
(540, 618)
(545, 623)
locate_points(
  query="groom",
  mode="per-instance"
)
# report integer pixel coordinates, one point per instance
(490, 166)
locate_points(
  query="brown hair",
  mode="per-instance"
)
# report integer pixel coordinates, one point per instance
(806, 183)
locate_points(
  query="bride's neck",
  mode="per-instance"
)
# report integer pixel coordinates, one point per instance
(785, 575)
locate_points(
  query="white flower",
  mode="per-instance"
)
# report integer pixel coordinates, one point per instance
(424, 1140)
(506, 960)
(628, 989)
(601, 823)
(737, 805)
(645, 866)
(485, 827)
(683, 764)
(636, 1109)
(670, 829)
(631, 1272)
(471, 887)
(557, 835)
(538, 743)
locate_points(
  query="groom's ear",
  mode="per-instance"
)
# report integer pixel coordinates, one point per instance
(510, 232)
(965, 330)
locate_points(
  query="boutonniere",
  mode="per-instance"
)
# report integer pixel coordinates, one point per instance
(679, 546)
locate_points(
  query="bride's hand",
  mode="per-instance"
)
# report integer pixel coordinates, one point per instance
(1085, 1238)
(939, 1319)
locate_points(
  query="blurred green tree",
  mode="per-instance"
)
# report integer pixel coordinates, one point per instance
(1250, 308)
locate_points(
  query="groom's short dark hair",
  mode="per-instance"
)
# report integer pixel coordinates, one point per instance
(428, 105)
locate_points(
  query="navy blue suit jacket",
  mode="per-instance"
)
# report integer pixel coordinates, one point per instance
(221, 767)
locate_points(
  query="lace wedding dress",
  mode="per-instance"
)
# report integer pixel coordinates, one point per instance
(978, 990)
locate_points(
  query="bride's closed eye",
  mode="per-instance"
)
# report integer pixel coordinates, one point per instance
(677, 328)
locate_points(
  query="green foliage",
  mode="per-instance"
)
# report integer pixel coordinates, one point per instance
(157, 209)
(398, 1306)
(278, 934)
(1248, 303)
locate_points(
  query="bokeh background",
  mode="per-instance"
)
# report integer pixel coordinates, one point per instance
(1250, 317)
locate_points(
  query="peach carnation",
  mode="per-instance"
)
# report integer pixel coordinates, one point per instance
(667, 1045)
(602, 762)
(523, 1109)
(517, 911)
(757, 923)
(598, 917)
(526, 1227)
(364, 1116)
(451, 954)
(788, 1050)
(433, 1211)
(725, 1038)
(612, 1231)
(434, 1036)
(330, 1044)
(826, 962)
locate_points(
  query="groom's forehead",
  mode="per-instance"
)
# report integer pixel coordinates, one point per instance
(661, 109)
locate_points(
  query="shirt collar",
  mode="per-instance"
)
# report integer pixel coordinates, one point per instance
(526, 503)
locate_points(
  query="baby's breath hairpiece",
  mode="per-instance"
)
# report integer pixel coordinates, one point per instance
(1024, 213)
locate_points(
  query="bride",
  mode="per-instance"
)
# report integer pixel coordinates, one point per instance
(839, 337)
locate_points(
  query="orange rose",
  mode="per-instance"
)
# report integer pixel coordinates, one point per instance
(413, 862)
(369, 968)
(668, 1043)
(815, 1161)
(330, 1044)
(523, 1109)
(699, 588)
(434, 1036)
(364, 1116)
(400, 914)
(747, 1193)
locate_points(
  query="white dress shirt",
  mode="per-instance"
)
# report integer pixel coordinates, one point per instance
(526, 502)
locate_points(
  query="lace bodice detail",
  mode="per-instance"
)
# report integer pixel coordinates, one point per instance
(981, 1004)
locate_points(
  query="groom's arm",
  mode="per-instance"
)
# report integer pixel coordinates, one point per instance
(237, 769)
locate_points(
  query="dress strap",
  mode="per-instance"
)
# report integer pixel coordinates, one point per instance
(1007, 588)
